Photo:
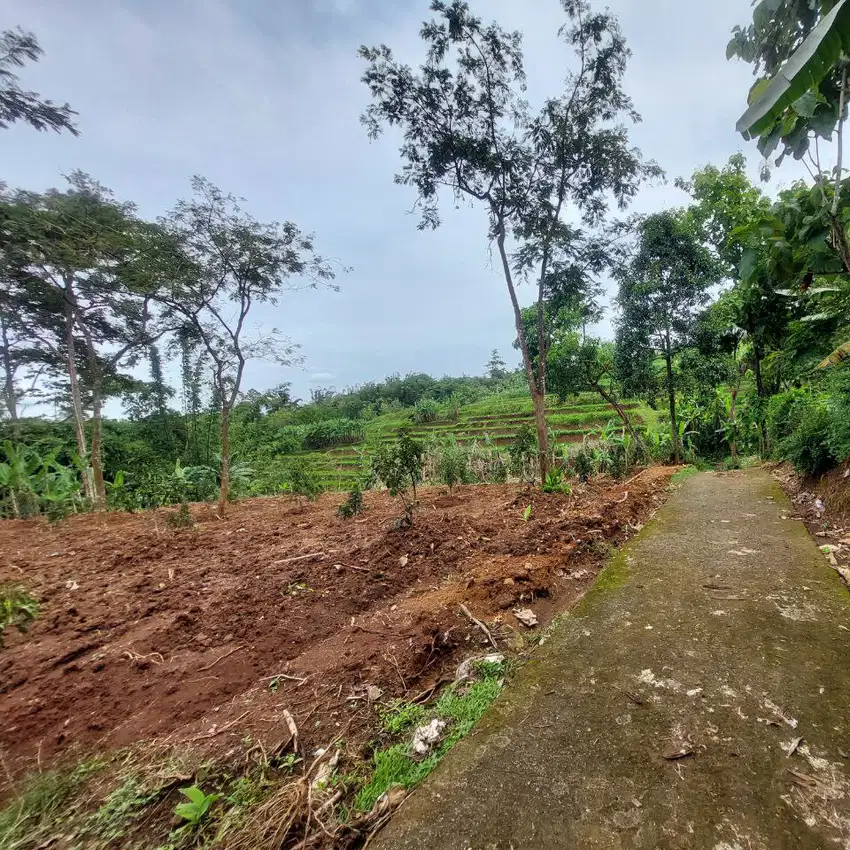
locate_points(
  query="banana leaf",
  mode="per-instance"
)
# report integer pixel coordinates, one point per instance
(809, 64)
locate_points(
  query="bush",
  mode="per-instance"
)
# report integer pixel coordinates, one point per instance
(808, 445)
(425, 410)
(181, 518)
(782, 415)
(452, 466)
(583, 464)
(333, 432)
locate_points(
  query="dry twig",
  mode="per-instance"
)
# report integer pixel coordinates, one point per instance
(220, 658)
(480, 625)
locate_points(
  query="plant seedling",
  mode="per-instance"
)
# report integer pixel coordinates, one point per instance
(196, 809)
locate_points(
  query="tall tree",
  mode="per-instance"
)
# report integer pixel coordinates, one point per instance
(17, 47)
(467, 127)
(734, 219)
(83, 257)
(662, 289)
(226, 263)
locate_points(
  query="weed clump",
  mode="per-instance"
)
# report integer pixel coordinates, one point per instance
(17, 609)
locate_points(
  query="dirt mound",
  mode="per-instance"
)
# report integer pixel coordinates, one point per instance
(147, 632)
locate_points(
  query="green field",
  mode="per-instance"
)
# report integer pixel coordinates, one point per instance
(497, 418)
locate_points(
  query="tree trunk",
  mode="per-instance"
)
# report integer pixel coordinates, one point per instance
(224, 489)
(621, 411)
(9, 396)
(839, 238)
(537, 397)
(671, 394)
(76, 397)
(99, 501)
(757, 358)
(733, 446)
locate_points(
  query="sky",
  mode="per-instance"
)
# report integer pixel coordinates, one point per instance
(264, 98)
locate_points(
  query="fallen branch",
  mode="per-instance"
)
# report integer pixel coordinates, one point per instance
(215, 732)
(375, 632)
(634, 477)
(220, 658)
(293, 729)
(300, 558)
(352, 567)
(480, 625)
(298, 679)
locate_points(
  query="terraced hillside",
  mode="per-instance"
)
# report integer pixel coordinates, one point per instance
(496, 419)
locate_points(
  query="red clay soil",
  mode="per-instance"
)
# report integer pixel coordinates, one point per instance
(152, 633)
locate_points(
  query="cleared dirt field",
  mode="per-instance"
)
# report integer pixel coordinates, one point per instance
(151, 633)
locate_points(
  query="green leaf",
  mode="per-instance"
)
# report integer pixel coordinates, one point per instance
(806, 105)
(526, 514)
(749, 262)
(810, 63)
(768, 142)
(195, 794)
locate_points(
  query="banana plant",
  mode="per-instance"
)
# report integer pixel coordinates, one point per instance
(813, 60)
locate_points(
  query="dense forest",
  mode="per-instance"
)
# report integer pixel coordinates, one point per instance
(731, 313)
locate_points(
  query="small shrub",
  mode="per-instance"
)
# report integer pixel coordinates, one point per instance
(301, 481)
(808, 447)
(181, 518)
(399, 465)
(196, 809)
(353, 505)
(555, 482)
(17, 609)
(583, 464)
(523, 454)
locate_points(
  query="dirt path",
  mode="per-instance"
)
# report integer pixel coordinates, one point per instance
(662, 713)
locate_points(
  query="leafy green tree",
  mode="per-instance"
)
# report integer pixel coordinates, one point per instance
(662, 289)
(17, 47)
(81, 257)
(225, 262)
(467, 127)
(740, 225)
(580, 365)
(496, 367)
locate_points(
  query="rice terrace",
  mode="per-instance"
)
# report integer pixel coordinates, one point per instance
(267, 582)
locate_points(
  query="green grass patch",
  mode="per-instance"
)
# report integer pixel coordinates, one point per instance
(683, 474)
(460, 705)
(31, 817)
